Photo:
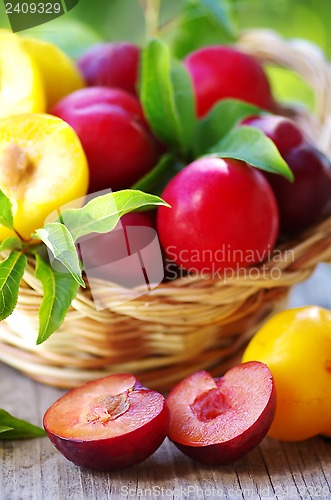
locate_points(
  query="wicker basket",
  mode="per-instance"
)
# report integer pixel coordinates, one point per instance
(190, 323)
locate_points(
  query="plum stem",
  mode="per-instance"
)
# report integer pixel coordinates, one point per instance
(168, 25)
(152, 17)
(20, 237)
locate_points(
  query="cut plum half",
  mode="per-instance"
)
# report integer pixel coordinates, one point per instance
(108, 424)
(218, 421)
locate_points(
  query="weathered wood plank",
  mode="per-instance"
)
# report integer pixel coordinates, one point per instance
(34, 470)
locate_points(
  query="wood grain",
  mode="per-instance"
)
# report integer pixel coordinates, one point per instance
(35, 470)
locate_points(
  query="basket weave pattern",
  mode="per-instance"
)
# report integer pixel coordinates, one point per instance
(190, 323)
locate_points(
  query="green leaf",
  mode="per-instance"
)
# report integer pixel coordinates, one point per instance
(59, 291)
(6, 214)
(14, 428)
(101, 214)
(219, 121)
(157, 178)
(11, 273)
(3, 428)
(252, 146)
(58, 239)
(204, 22)
(184, 103)
(156, 92)
(11, 243)
(167, 97)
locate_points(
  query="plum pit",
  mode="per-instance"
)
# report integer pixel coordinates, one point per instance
(16, 166)
(108, 407)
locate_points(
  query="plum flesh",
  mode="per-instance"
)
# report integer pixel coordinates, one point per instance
(218, 421)
(109, 423)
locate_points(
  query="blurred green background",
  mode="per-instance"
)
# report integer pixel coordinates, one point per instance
(123, 19)
(94, 20)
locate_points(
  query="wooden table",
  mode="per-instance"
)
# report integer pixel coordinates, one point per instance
(35, 470)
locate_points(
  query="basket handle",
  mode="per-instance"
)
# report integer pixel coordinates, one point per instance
(309, 62)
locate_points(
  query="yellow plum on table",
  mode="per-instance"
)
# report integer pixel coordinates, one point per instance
(296, 346)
